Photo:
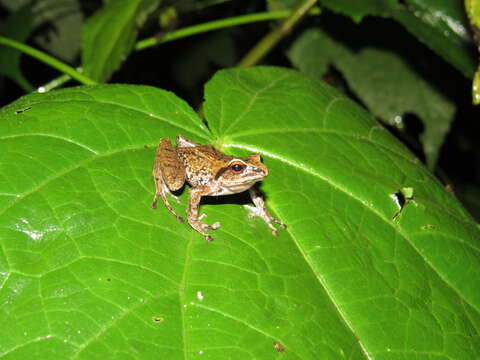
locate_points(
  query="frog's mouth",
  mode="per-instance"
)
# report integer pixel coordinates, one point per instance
(253, 176)
(252, 179)
(249, 183)
(258, 174)
(239, 187)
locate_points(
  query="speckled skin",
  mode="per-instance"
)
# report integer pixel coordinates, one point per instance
(209, 172)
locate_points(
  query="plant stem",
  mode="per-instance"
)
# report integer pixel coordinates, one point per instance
(47, 59)
(272, 38)
(55, 83)
(215, 25)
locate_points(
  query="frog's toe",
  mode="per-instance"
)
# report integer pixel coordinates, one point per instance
(279, 223)
(252, 211)
(208, 238)
(215, 225)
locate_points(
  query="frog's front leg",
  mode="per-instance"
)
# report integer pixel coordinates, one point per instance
(261, 210)
(194, 220)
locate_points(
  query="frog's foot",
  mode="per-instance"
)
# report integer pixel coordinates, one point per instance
(269, 219)
(201, 227)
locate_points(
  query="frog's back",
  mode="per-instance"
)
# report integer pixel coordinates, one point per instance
(202, 163)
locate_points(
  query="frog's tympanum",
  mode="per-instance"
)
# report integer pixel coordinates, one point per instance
(210, 173)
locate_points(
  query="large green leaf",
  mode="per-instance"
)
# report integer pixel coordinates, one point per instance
(378, 261)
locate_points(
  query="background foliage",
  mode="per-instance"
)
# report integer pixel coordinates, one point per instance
(380, 259)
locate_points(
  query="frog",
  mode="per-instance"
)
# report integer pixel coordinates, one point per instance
(209, 172)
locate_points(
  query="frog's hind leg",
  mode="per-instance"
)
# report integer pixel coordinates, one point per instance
(161, 190)
(168, 174)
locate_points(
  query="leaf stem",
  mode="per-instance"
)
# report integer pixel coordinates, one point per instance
(217, 24)
(272, 38)
(47, 59)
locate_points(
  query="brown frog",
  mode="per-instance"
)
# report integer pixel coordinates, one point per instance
(210, 172)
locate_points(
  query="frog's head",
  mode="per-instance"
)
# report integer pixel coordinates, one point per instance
(241, 173)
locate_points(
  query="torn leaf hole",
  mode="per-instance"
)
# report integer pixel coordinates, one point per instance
(401, 198)
(158, 319)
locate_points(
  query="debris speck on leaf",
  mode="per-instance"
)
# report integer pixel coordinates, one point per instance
(19, 111)
(279, 347)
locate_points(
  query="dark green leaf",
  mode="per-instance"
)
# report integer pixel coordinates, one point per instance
(357, 10)
(109, 35)
(443, 15)
(439, 24)
(58, 24)
(452, 47)
(62, 20)
(88, 270)
(282, 4)
(17, 27)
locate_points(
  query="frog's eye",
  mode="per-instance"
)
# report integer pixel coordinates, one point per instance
(237, 167)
